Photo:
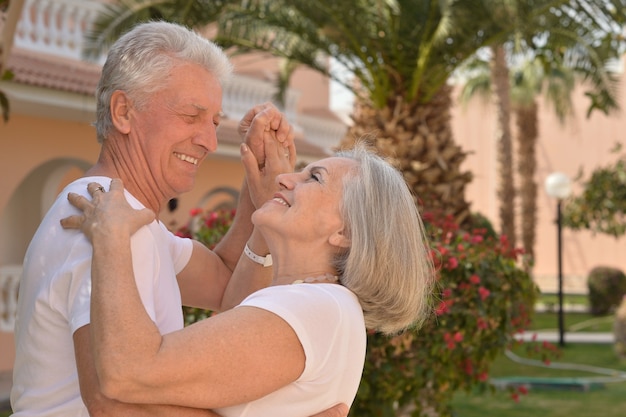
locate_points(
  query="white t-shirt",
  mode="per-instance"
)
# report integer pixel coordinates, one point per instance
(54, 298)
(328, 320)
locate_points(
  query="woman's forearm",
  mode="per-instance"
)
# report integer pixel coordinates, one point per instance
(123, 334)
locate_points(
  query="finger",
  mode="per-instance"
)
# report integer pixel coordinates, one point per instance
(146, 216)
(290, 135)
(275, 120)
(94, 187)
(73, 222)
(273, 151)
(291, 147)
(246, 121)
(253, 175)
(116, 185)
(78, 201)
(282, 127)
(254, 139)
(249, 161)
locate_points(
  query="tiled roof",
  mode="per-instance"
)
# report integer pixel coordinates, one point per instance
(37, 69)
(58, 73)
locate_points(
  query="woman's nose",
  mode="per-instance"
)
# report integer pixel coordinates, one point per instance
(286, 181)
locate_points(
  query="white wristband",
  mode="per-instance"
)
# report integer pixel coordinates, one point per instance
(261, 260)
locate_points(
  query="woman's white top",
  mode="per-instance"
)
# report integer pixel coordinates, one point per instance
(328, 320)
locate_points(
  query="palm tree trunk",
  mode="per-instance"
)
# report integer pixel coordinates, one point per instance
(506, 188)
(527, 133)
(417, 138)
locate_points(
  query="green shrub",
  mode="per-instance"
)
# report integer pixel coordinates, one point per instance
(607, 286)
(483, 300)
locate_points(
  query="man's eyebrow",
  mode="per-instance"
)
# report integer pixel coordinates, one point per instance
(199, 107)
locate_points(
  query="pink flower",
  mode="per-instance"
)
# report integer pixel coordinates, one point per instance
(442, 308)
(195, 211)
(484, 293)
(474, 279)
(452, 263)
(458, 337)
(449, 340)
(211, 219)
(477, 239)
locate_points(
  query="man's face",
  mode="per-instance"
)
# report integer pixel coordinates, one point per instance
(175, 132)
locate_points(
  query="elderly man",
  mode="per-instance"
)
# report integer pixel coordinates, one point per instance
(158, 108)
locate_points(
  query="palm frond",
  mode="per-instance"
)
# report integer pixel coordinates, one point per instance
(117, 18)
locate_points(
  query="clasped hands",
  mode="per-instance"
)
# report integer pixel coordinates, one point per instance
(270, 139)
(267, 150)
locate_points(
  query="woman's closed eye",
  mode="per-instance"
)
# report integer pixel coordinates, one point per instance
(316, 174)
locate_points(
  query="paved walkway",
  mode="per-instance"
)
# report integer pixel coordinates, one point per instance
(574, 337)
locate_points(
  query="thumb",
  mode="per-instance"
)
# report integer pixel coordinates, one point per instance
(250, 163)
(146, 216)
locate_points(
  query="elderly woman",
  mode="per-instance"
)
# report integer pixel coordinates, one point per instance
(349, 253)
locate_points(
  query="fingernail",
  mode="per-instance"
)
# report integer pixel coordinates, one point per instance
(244, 147)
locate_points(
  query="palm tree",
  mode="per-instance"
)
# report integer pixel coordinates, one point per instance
(400, 54)
(590, 32)
(528, 82)
(506, 185)
(531, 77)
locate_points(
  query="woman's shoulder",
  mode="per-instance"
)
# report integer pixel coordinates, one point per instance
(329, 302)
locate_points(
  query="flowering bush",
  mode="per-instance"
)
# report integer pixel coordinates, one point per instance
(207, 227)
(483, 300)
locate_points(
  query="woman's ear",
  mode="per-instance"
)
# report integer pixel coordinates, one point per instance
(120, 111)
(340, 239)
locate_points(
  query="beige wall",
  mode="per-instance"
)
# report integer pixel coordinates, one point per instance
(582, 143)
(35, 156)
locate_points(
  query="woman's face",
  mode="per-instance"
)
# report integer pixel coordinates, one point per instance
(308, 204)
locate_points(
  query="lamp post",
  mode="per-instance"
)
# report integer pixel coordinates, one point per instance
(558, 186)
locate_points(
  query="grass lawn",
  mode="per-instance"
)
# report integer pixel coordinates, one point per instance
(553, 299)
(575, 322)
(608, 401)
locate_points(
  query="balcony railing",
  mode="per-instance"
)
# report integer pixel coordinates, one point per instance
(58, 27)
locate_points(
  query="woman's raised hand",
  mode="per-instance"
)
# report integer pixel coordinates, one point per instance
(106, 213)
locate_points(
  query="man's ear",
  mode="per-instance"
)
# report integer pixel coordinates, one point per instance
(120, 111)
(340, 239)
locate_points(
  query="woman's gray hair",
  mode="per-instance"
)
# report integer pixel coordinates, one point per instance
(388, 265)
(139, 62)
